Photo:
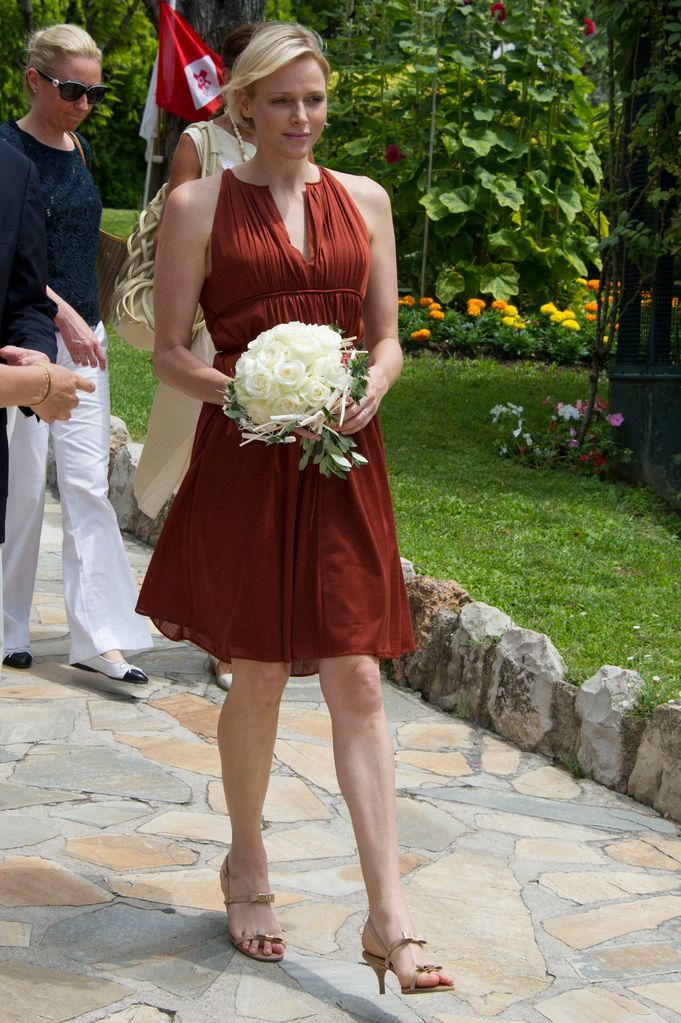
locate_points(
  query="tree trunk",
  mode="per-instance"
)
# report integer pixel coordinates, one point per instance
(213, 19)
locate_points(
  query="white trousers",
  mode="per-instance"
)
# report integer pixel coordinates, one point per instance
(99, 590)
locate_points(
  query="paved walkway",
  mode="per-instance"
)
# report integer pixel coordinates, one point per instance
(551, 898)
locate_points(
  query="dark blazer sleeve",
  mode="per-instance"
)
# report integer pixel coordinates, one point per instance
(28, 314)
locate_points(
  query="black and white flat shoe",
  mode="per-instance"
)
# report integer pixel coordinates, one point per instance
(18, 659)
(119, 670)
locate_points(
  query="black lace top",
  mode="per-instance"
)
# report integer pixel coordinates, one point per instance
(73, 208)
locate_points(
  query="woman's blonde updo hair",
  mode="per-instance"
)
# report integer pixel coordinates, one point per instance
(48, 47)
(274, 44)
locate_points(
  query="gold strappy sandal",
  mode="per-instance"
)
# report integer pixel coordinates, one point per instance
(275, 957)
(381, 965)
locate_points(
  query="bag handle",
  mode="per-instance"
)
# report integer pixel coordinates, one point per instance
(210, 149)
(77, 143)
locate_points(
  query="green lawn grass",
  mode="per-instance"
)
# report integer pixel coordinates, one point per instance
(120, 222)
(593, 564)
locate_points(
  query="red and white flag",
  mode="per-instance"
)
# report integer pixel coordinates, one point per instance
(189, 72)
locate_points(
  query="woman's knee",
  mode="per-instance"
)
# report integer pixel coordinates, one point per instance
(263, 683)
(353, 688)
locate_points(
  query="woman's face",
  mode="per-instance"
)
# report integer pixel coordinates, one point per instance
(62, 114)
(288, 108)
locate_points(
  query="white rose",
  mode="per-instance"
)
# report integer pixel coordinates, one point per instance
(290, 374)
(304, 348)
(257, 411)
(261, 341)
(286, 405)
(257, 383)
(271, 356)
(314, 393)
(330, 369)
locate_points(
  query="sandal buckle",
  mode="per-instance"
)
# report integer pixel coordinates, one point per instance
(263, 897)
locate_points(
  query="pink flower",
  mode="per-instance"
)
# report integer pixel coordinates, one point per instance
(498, 11)
(589, 27)
(616, 419)
(394, 154)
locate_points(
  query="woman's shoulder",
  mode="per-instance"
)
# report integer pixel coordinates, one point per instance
(362, 188)
(197, 196)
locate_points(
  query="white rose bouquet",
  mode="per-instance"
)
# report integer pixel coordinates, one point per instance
(300, 375)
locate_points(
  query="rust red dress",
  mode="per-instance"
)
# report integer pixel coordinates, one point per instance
(257, 559)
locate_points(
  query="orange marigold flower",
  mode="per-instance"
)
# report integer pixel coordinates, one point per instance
(591, 307)
(408, 300)
(436, 314)
(436, 305)
(675, 302)
(425, 301)
(590, 317)
(420, 335)
(593, 285)
(499, 305)
(475, 306)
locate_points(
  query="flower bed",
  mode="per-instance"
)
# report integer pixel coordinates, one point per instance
(502, 330)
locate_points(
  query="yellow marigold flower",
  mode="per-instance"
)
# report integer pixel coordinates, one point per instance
(548, 309)
(571, 325)
(508, 321)
(519, 324)
(425, 301)
(511, 310)
(499, 305)
(557, 317)
(420, 335)
(568, 314)
(590, 317)
(593, 285)
(436, 314)
(675, 302)
(606, 338)
(583, 282)
(591, 307)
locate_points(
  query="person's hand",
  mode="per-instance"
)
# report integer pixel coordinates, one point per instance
(15, 356)
(80, 340)
(63, 395)
(357, 416)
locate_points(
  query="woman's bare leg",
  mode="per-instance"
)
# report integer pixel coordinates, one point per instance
(364, 757)
(247, 731)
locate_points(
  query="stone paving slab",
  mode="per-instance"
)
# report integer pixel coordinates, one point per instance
(549, 897)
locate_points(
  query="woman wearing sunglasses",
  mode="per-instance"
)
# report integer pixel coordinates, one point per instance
(63, 81)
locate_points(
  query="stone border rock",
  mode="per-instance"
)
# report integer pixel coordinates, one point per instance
(473, 661)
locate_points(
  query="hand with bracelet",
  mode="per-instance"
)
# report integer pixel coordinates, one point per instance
(30, 379)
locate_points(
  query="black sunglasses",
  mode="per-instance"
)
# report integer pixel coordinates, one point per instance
(72, 91)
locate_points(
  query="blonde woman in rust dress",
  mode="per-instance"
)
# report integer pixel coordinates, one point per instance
(280, 571)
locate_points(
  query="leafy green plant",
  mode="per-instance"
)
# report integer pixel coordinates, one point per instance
(510, 182)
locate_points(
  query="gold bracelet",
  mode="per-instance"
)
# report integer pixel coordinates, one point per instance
(48, 388)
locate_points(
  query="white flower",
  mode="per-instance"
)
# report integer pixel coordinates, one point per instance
(268, 357)
(568, 412)
(290, 374)
(497, 412)
(286, 405)
(314, 393)
(258, 412)
(254, 382)
(287, 377)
